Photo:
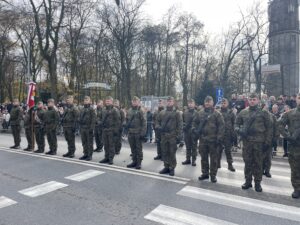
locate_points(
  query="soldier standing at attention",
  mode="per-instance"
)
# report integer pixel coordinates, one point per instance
(157, 134)
(118, 137)
(229, 120)
(136, 126)
(87, 123)
(98, 127)
(169, 125)
(28, 129)
(15, 123)
(189, 139)
(255, 128)
(69, 120)
(208, 125)
(51, 122)
(39, 127)
(110, 122)
(291, 120)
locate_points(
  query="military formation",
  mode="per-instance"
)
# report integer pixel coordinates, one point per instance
(206, 130)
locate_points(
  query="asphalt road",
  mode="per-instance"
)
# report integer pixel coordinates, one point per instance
(41, 190)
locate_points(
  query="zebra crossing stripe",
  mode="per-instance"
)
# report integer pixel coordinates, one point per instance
(4, 202)
(84, 175)
(172, 216)
(248, 204)
(42, 189)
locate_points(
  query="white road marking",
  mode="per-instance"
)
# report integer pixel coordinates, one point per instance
(143, 173)
(4, 202)
(172, 216)
(42, 189)
(84, 175)
(287, 191)
(248, 204)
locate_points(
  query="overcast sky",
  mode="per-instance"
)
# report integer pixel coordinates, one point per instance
(216, 14)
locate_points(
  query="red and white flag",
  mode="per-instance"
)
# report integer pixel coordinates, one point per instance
(31, 94)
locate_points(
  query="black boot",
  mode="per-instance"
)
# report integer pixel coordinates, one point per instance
(230, 167)
(12, 146)
(203, 177)
(131, 165)
(138, 166)
(88, 158)
(213, 179)
(98, 150)
(172, 172)
(267, 174)
(66, 155)
(247, 185)
(186, 162)
(49, 152)
(164, 171)
(296, 194)
(39, 151)
(194, 162)
(16, 147)
(258, 187)
(104, 160)
(26, 149)
(158, 157)
(111, 161)
(83, 157)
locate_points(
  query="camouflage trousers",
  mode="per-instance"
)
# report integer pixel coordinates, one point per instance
(253, 158)
(87, 141)
(98, 137)
(29, 134)
(69, 134)
(118, 141)
(136, 147)
(191, 146)
(52, 139)
(16, 132)
(294, 159)
(40, 138)
(109, 144)
(267, 160)
(227, 149)
(209, 150)
(158, 143)
(169, 148)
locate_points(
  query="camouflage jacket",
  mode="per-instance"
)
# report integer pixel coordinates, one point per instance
(291, 120)
(39, 118)
(169, 122)
(122, 116)
(213, 130)
(259, 129)
(28, 119)
(135, 121)
(51, 118)
(15, 116)
(155, 116)
(229, 120)
(87, 118)
(110, 119)
(188, 117)
(98, 116)
(70, 117)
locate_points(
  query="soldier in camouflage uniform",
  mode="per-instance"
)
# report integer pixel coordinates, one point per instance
(51, 119)
(39, 127)
(29, 132)
(255, 128)
(118, 137)
(110, 122)
(208, 125)
(267, 154)
(291, 120)
(136, 126)
(229, 120)
(189, 139)
(87, 120)
(98, 127)
(15, 123)
(157, 134)
(69, 120)
(169, 125)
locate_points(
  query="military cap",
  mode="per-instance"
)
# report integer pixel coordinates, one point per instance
(191, 101)
(50, 100)
(224, 100)
(87, 97)
(135, 98)
(109, 98)
(208, 98)
(170, 98)
(253, 95)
